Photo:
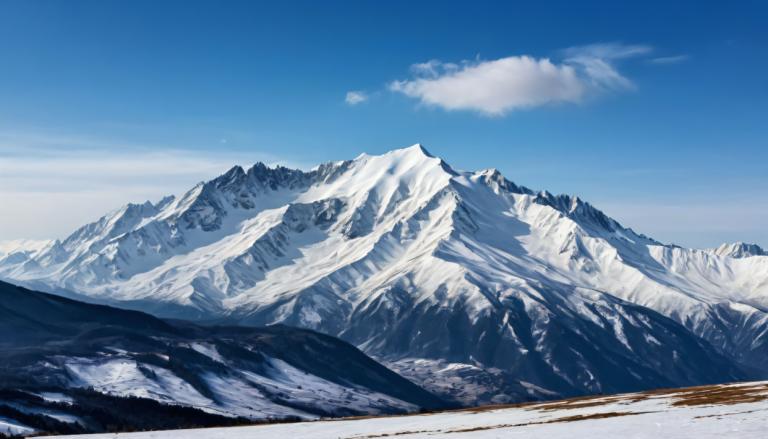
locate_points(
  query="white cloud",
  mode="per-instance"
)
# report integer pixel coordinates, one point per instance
(498, 86)
(50, 185)
(355, 97)
(494, 87)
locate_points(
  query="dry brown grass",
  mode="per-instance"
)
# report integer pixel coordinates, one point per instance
(719, 395)
(570, 403)
(573, 418)
(550, 421)
(593, 416)
(577, 403)
(725, 415)
(487, 408)
(716, 394)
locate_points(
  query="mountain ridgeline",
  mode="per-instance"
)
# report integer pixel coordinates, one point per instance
(472, 286)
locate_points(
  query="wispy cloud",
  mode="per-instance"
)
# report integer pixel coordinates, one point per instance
(495, 87)
(76, 180)
(355, 97)
(669, 59)
(607, 51)
(597, 63)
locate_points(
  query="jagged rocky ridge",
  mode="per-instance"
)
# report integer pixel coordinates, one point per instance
(739, 250)
(447, 276)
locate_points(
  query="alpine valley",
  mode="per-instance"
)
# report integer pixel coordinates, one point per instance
(473, 287)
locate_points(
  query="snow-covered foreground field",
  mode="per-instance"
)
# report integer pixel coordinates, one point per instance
(724, 411)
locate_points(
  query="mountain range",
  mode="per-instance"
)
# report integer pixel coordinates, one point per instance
(476, 288)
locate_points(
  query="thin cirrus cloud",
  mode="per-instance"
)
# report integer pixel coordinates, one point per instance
(496, 87)
(669, 59)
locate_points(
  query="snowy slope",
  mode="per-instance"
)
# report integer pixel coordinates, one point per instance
(438, 272)
(12, 427)
(236, 392)
(60, 347)
(729, 411)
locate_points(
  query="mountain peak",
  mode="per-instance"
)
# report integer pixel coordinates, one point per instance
(416, 148)
(234, 171)
(739, 250)
(494, 178)
(416, 151)
(411, 156)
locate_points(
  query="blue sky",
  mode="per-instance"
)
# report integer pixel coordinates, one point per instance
(655, 112)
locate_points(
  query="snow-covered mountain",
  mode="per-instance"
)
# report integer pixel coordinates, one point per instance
(92, 355)
(447, 276)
